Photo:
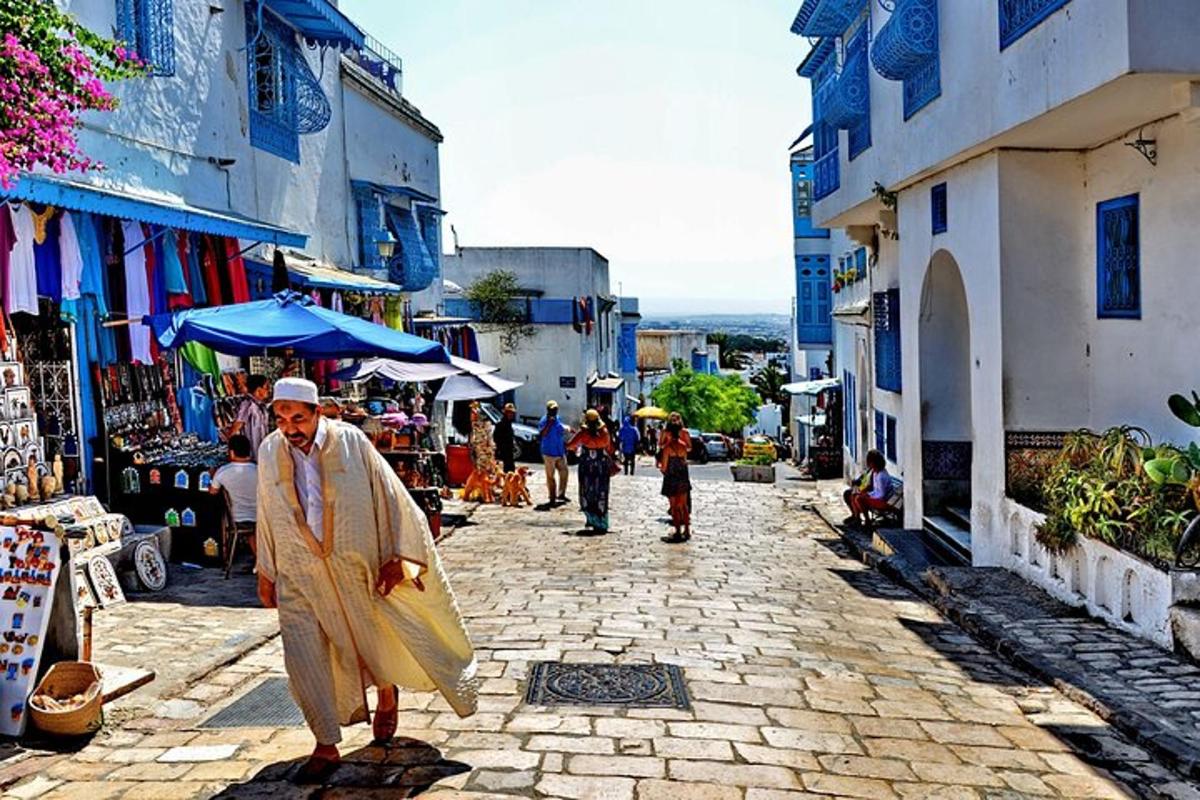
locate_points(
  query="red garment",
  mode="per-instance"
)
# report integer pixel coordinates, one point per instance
(208, 265)
(177, 301)
(237, 271)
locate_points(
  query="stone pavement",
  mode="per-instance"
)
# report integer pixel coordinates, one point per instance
(810, 675)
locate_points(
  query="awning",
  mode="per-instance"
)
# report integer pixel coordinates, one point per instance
(475, 387)
(853, 310)
(318, 275)
(319, 21)
(402, 191)
(812, 420)
(606, 384)
(811, 387)
(160, 210)
(405, 372)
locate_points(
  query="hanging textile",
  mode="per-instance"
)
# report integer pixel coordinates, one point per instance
(71, 257)
(8, 238)
(195, 273)
(238, 284)
(198, 413)
(112, 238)
(172, 264)
(212, 275)
(202, 357)
(47, 258)
(279, 274)
(22, 275)
(393, 313)
(155, 275)
(335, 303)
(91, 253)
(137, 293)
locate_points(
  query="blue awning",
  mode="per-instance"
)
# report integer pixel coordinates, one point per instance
(319, 21)
(816, 58)
(827, 17)
(154, 210)
(314, 274)
(389, 189)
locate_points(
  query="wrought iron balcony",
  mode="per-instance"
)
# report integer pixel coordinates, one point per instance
(908, 41)
(384, 65)
(827, 17)
(849, 102)
(1018, 17)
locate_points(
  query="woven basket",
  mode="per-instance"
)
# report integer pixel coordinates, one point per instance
(65, 679)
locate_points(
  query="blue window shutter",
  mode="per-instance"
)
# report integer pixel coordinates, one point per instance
(1118, 259)
(370, 226)
(880, 433)
(939, 209)
(892, 444)
(886, 314)
(854, 89)
(814, 300)
(412, 267)
(1018, 17)
(274, 117)
(148, 28)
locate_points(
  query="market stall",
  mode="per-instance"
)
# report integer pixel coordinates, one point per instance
(816, 411)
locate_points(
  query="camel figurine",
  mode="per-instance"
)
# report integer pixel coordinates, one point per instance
(516, 489)
(480, 487)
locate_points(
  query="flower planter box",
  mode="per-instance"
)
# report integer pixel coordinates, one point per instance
(747, 473)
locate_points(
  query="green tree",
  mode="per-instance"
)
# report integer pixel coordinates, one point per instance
(770, 382)
(498, 297)
(730, 356)
(722, 403)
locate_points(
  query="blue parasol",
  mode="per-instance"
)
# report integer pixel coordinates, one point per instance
(290, 321)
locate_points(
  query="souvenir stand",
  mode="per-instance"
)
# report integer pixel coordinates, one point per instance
(292, 322)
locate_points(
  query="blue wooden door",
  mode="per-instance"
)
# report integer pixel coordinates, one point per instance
(814, 323)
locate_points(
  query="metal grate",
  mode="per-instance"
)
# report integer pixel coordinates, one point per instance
(268, 705)
(626, 685)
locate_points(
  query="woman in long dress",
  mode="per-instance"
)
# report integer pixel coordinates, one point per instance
(673, 448)
(595, 469)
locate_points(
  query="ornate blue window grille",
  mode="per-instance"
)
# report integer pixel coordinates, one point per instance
(148, 28)
(886, 312)
(891, 447)
(906, 49)
(286, 99)
(849, 104)
(880, 431)
(412, 267)
(370, 226)
(825, 135)
(939, 210)
(1118, 259)
(1018, 17)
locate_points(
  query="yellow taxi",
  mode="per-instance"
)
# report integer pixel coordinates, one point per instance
(758, 445)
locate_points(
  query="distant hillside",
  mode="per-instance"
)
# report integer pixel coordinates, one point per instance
(770, 326)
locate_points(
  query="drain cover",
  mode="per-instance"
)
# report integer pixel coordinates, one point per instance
(627, 685)
(268, 705)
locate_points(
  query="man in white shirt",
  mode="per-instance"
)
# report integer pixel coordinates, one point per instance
(240, 479)
(346, 556)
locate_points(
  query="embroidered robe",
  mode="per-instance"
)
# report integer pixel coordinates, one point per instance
(335, 625)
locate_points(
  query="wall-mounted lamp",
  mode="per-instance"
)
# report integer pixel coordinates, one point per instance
(1147, 147)
(386, 246)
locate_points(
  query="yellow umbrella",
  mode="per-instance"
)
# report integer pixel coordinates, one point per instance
(651, 412)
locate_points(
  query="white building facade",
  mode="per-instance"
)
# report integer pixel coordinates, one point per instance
(1036, 162)
(570, 354)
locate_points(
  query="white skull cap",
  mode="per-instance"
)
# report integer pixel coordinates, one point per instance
(297, 389)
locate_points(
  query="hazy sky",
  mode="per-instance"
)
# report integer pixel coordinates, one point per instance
(655, 131)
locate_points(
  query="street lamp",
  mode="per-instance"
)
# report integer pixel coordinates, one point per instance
(386, 245)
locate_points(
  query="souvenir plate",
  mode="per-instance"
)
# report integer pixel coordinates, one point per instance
(104, 582)
(84, 596)
(149, 565)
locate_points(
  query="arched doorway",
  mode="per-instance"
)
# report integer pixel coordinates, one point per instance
(946, 431)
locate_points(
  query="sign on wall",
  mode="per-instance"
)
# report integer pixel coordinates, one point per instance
(566, 382)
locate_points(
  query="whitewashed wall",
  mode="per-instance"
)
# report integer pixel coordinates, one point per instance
(552, 352)
(989, 94)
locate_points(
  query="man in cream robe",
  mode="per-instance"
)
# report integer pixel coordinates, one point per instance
(347, 557)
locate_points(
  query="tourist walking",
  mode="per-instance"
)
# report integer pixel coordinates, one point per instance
(505, 439)
(673, 448)
(629, 438)
(596, 467)
(346, 556)
(552, 436)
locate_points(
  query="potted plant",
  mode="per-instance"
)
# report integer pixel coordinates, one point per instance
(754, 469)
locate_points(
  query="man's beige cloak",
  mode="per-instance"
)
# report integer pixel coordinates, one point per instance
(334, 622)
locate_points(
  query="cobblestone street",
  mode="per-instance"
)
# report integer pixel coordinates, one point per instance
(810, 676)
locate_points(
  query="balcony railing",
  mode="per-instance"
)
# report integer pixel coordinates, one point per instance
(1018, 17)
(825, 175)
(383, 64)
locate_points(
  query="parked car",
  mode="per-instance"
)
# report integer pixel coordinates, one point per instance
(699, 448)
(525, 437)
(716, 445)
(759, 445)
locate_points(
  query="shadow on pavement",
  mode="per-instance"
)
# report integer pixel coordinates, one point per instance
(205, 587)
(403, 768)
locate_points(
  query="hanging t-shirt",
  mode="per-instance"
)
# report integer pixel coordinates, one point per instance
(47, 259)
(71, 256)
(22, 275)
(137, 292)
(172, 266)
(91, 279)
(238, 284)
(195, 274)
(8, 238)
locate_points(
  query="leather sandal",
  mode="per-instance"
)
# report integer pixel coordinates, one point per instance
(383, 727)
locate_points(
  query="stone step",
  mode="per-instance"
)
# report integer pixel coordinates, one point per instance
(960, 515)
(951, 534)
(920, 549)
